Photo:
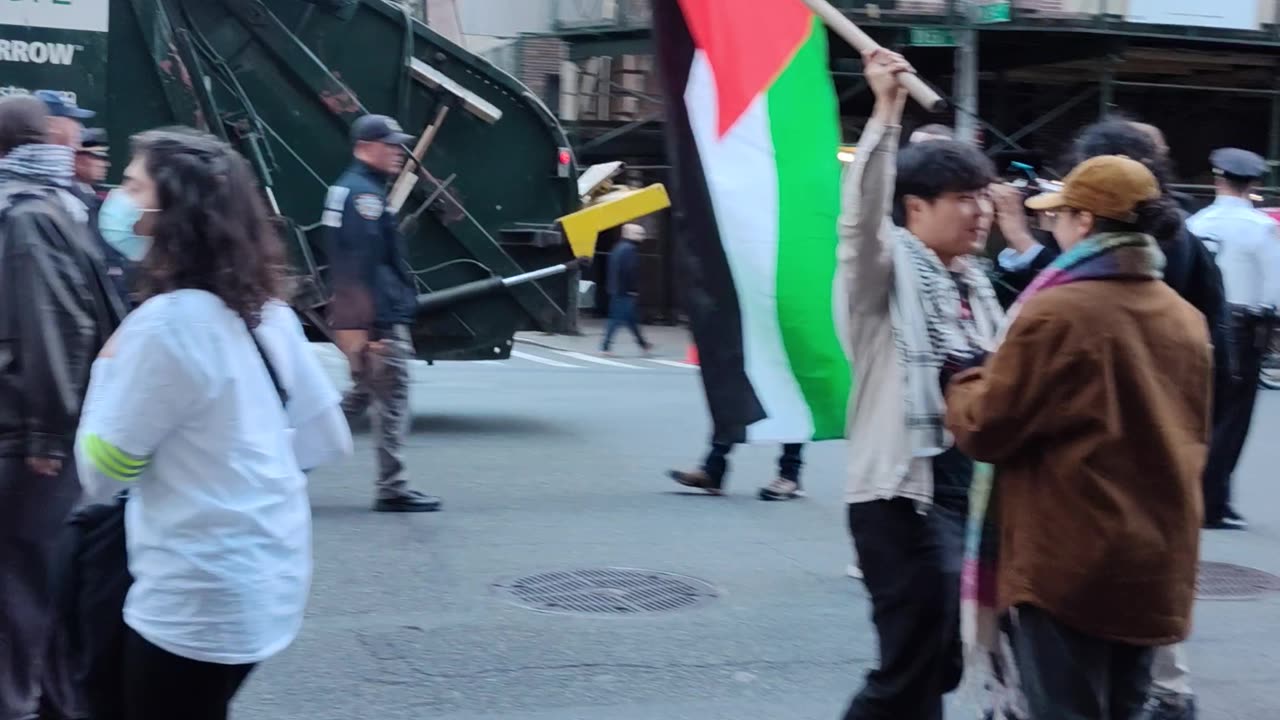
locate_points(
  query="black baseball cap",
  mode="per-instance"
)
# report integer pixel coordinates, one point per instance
(60, 106)
(379, 128)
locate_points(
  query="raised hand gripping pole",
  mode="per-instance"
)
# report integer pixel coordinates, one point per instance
(862, 42)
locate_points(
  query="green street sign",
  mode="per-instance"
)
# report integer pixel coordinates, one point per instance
(932, 37)
(996, 12)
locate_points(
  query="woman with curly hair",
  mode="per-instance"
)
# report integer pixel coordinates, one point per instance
(209, 405)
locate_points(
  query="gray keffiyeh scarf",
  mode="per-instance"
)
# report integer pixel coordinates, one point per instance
(48, 166)
(41, 164)
(927, 325)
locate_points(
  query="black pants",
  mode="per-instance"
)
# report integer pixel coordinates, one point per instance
(162, 686)
(911, 567)
(1233, 403)
(716, 466)
(1067, 675)
(35, 663)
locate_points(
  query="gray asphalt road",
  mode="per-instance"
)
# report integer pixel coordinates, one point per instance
(547, 468)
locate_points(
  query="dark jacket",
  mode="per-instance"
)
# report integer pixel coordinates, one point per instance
(1009, 284)
(1189, 269)
(372, 286)
(57, 309)
(120, 269)
(624, 269)
(1099, 439)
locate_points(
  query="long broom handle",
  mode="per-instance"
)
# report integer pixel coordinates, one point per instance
(862, 42)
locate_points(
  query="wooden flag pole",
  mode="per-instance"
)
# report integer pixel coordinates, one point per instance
(862, 42)
(409, 175)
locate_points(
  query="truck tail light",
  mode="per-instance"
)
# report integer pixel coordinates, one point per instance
(564, 158)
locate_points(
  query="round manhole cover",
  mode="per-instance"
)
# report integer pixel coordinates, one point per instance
(607, 591)
(1224, 581)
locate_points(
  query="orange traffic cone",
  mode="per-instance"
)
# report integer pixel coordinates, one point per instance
(691, 355)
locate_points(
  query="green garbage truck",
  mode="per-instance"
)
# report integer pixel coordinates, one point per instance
(490, 203)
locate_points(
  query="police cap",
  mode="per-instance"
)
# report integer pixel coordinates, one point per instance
(94, 142)
(1238, 164)
(379, 128)
(62, 106)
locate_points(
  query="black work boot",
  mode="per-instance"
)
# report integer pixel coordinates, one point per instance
(698, 480)
(411, 502)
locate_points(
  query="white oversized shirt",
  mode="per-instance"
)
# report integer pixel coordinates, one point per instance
(1247, 244)
(218, 522)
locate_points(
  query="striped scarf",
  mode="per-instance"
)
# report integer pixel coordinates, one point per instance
(988, 665)
(924, 308)
(41, 164)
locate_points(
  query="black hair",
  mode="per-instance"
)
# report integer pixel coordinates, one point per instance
(212, 231)
(1121, 137)
(942, 131)
(1237, 184)
(927, 170)
(1160, 218)
(24, 120)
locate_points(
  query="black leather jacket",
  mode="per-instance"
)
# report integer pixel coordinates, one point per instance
(57, 309)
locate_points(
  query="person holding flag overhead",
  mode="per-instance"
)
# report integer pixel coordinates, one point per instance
(916, 298)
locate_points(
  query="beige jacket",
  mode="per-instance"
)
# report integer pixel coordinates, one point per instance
(881, 465)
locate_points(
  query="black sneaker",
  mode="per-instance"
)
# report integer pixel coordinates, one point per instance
(1170, 707)
(1226, 523)
(411, 502)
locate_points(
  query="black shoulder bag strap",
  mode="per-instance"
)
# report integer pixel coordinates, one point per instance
(271, 370)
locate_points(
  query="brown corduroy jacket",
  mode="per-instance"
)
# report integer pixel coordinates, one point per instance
(1095, 411)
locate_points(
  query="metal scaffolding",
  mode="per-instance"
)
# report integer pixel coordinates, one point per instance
(1024, 77)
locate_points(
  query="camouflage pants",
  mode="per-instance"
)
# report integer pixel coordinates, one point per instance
(383, 383)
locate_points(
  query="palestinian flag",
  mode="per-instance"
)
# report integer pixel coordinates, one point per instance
(753, 132)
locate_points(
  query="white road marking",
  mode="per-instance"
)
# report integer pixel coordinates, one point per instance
(598, 360)
(335, 362)
(674, 363)
(544, 361)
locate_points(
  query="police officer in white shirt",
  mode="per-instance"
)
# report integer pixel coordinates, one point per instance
(1246, 243)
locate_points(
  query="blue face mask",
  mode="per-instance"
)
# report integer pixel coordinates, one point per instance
(116, 219)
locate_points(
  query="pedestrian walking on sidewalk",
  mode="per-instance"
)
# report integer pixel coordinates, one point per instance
(624, 287)
(208, 404)
(1246, 243)
(710, 478)
(57, 309)
(1098, 442)
(92, 164)
(374, 303)
(1191, 271)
